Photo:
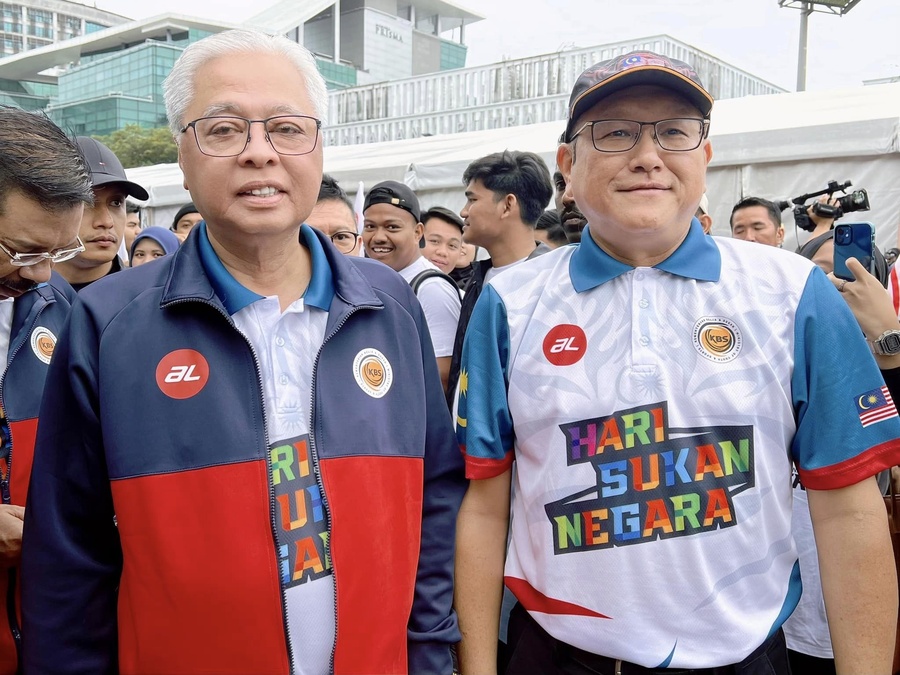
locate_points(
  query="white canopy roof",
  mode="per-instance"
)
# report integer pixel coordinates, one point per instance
(775, 146)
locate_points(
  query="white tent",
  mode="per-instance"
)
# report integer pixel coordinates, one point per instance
(776, 146)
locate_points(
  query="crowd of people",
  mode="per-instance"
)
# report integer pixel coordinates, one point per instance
(294, 438)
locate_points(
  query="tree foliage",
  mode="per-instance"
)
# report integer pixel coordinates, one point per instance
(138, 146)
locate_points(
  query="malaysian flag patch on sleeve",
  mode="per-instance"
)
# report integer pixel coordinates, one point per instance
(875, 406)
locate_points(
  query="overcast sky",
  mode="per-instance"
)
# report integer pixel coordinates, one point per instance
(755, 35)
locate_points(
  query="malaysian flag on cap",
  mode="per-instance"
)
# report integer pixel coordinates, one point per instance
(875, 406)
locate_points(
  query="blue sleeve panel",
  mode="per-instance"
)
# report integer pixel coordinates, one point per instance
(484, 425)
(847, 425)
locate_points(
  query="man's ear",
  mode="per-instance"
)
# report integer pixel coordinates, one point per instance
(510, 205)
(565, 158)
(181, 166)
(707, 151)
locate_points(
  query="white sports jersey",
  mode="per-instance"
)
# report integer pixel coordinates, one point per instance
(440, 302)
(654, 414)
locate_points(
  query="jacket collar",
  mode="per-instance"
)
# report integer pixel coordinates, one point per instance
(235, 296)
(697, 257)
(337, 278)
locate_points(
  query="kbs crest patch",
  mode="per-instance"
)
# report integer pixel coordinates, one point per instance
(373, 373)
(43, 342)
(718, 339)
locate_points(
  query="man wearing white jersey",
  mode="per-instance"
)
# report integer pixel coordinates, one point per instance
(392, 233)
(654, 387)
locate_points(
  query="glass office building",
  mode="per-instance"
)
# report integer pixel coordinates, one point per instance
(110, 91)
(30, 24)
(98, 81)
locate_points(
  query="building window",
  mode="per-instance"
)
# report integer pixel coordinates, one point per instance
(40, 24)
(10, 12)
(91, 27)
(34, 44)
(67, 26)
(10, 18)
(11, 44)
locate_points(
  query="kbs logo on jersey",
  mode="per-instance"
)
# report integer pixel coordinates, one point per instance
(182, 373)
(43, 342)
(565, 344)
(717, 338)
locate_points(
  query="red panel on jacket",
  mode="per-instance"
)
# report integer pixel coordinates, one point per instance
(23, 434)
(200, 590)
(376, 524)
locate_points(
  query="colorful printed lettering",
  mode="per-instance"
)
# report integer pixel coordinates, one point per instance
(300, 521)
(653, 481)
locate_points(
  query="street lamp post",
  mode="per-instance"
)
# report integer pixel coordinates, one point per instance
(807, 7)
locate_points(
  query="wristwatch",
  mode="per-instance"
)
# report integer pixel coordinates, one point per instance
(887, 344)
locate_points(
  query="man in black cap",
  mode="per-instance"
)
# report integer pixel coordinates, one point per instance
(391, 233)
(103, 224)
(654, 387)
(184, 221)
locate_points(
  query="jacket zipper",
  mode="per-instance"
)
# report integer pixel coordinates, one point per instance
(272, 523)
(7, 497)
(315, 454)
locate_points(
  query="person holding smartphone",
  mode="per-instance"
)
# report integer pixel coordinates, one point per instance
(807, 633)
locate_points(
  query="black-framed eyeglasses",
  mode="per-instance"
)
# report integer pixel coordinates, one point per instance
(679, 134)
(228, 136)
(344, 240)
(29, 259)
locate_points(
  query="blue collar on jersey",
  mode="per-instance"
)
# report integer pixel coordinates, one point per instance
(235, 296)
(697, 258)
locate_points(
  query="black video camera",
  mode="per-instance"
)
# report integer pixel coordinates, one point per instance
(857, 200)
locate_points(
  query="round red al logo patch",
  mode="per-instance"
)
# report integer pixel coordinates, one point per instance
(565, 344)
(182, 373)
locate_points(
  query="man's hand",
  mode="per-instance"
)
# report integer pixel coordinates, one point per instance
(822, 223)
(871, 305)
(11, 519)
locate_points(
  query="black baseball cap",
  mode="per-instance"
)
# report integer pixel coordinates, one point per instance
(629, 70)
(106, 168)
(396, 194)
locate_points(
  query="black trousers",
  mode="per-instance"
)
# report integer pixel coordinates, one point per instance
(532, 650)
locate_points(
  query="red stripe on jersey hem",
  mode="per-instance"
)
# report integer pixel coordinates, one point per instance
(535, 601)
(895, 291)
(480, 467)
(877, 458)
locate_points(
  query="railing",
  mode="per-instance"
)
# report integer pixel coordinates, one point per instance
(471, 119)
(535, 88)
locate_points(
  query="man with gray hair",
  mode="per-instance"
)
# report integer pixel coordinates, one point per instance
(44, 186)
(270, 477)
